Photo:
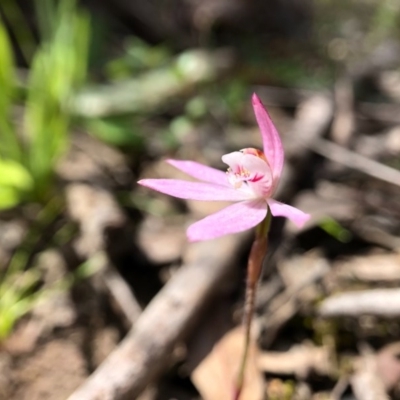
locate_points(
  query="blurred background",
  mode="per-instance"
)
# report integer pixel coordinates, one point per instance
(95, 95)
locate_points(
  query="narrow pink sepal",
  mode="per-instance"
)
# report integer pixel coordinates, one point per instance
(200, 171)
(194, 190)
(272, 143)
(283, 210)
(235, 218)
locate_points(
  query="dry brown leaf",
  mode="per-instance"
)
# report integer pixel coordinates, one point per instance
(366, 382)
(388, 365)
(215, 376)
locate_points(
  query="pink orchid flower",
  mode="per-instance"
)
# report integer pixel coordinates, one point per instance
(250, 182)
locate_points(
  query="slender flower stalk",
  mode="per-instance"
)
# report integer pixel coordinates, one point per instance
(254, 268)
(250, 182)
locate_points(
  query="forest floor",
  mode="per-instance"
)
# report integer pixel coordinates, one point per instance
(327, 309)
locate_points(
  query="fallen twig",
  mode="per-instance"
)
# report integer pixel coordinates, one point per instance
(371, 231)
(146, 351)
(300, 360)
(343, 122)
(313, 116)
(312, 119)
(355, 161)
(121, 293)
(96, 210)
(384, 112)
(381, 302)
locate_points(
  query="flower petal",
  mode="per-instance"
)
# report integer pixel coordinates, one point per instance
(233, 160)
(272, 144)
(283, 210)
(232, 219)
(250, 169)
(200, 171)
(194, 190)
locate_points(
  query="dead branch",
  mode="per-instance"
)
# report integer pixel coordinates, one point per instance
(121, 293)
(300, 361)
(339, 388)
(312, 119)
(146, 350)
(368, 229)
(385, 112)
(96, 210)
(355, 161)
(380, 302)
(343, 122)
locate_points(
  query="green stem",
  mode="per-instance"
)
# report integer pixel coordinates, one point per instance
(254, 268)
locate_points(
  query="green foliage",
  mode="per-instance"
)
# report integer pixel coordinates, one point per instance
(117, 131)
(336, 230)
(138, 57)
(385, 21)
(17, 297)
(15, 180)
(18, 285)
(28, 158)
(9, 144)
(21, 290)
(58, 67)
(22, 285)
(19, 24)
